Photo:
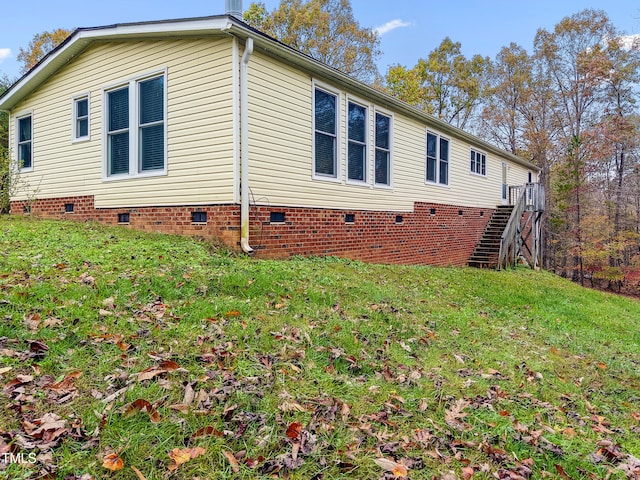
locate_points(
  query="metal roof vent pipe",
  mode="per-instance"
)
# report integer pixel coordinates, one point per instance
(233, 8)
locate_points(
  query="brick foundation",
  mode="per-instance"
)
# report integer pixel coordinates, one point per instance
(432, 234)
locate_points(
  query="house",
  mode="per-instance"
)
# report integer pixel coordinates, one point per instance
(208, 127)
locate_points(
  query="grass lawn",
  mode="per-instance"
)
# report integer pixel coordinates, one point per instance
(135, 356)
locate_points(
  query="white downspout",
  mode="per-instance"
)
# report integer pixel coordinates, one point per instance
(244, 147)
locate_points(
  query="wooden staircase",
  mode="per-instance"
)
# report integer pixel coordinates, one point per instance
(487, 250)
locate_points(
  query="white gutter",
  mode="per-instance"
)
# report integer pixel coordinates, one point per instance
(244, 146)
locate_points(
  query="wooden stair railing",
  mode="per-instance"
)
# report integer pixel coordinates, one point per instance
(511, 235)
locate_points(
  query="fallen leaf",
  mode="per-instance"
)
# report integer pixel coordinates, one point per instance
(208, 432)
(293, 431)
(149, 373)
(67, 384)
(87, 279)
(180, 407)
(50, 322)
(290, 406)
(232, 461)
(467, 473)
(142, 405)
(180, 456)
(109, 303)
(164, 367)
(113, 462)
(344, 412)
(169, 365)
(397, 469)
(453, 416)
(561, 472)
(449, 476)
(32, 321)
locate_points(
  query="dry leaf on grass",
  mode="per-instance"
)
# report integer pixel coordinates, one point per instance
(397, 469)
(142, 405)
(164, 367)
(113, 462)
(453, 416)
(180, 456)
(232, 461)
(208, 431)
(293, 430)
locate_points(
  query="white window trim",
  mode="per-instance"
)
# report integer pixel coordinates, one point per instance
(386, 113)
(367, 142)
(74, 118)
(315, 176)
(134, 161)
(486, 163)
(437, 183)
(18, 117)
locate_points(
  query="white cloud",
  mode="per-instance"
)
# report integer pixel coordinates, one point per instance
(391, 25)
(4, 53)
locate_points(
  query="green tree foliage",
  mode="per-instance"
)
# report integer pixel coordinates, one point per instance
(445, 84)
(323, 29)
(4, 151)
(41, 44)
(505, 111)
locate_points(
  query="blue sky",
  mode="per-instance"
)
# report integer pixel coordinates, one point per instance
(410, 28)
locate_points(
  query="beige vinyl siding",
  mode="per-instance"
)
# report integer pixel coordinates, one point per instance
(281, 152)
(199, 122)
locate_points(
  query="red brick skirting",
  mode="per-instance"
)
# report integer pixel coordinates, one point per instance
(432, 234)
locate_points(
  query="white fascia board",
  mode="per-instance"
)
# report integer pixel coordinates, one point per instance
(337, 78)
(83, 37)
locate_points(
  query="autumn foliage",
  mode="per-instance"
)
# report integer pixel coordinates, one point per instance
(39, 46)
(323, 29)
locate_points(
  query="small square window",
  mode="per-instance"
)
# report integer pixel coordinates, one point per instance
(123, 218)
(478, 163)
(276, 217)
(199, 217)
(27, 209)
(482, 214)
(432, 211)
(459, 213)
(349, 218)
(399, 219)
(68, 207)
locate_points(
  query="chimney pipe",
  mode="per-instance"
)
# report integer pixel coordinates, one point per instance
(233, 8)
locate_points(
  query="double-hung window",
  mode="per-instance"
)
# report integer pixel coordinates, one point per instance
(81, 118)
(383, 150)
(25, 142)
(325, 134)
(478, 163)
(437, 159)
(136, 140)
(357, 143)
